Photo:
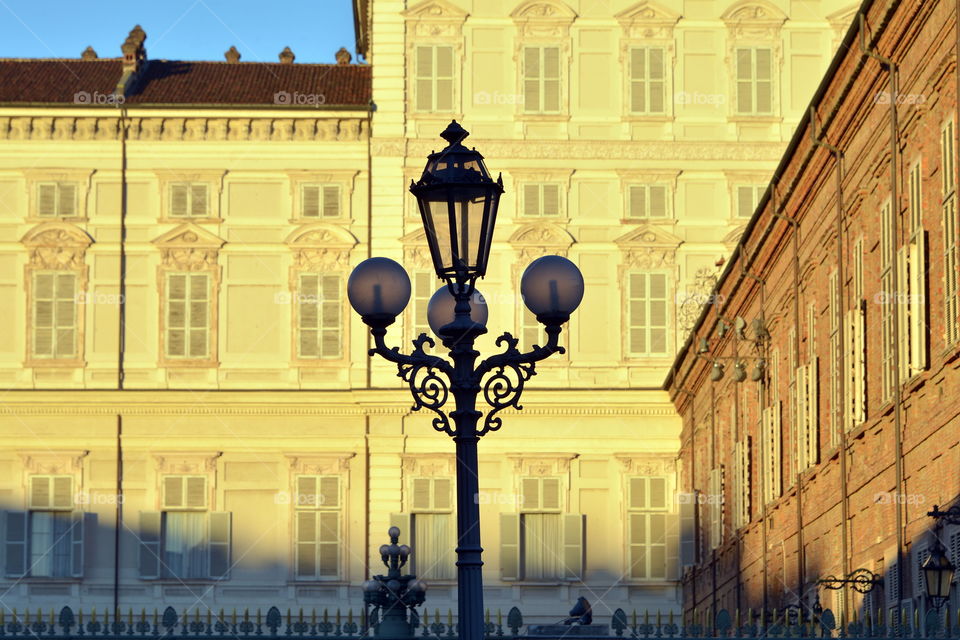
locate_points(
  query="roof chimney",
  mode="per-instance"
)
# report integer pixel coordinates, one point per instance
(134, 59)
(232, 55)
(343, 56)
(88, 54)
(286, 56)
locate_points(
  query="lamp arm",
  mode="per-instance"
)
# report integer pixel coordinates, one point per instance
(508, 373)
(419, 371)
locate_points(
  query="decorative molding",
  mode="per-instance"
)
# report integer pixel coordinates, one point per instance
(319, 463)
(537, 239)
(214, 178)
(648, 20)
(320, 246)
(541, 464)
(658, 150)
(57, 245)
(754, 19)
(52, 461)
(174, 462)
(416, 252)
(83, 178)
(643, 464)
(189, 247)
(436, 21)
(841, 20)
(185, 129)
(698, 294)
(428, 464)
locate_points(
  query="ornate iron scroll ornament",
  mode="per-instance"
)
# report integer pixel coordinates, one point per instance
(501, 377)
(862, 581)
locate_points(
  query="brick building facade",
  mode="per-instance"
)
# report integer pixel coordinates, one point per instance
(839, 313)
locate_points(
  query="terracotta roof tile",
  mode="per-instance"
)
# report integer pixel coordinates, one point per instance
(189, 83)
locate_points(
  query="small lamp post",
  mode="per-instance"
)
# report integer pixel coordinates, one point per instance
(394, 594)
(458, 201)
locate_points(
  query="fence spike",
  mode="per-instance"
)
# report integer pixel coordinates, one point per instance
(436, 616)
(233, 621)
(209, 617)
(300, 614)
(499, 617)
(350, 615)
(313, 616)
(736, 618)
(426, 617)
(196, 614)
(288, 617)
(646, 616)
(486, 617)
(26, 620)
(258, 616)
(449, 618)
(658, 617)
(338, 616)
(325, 615)
(155, 618)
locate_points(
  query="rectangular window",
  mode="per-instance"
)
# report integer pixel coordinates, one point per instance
(715, 503)
(834, 304)
(320, 201)
(433, 78)
(54, 314)
(910, 304)
(319, 316)
(57, 199)
(771, 436)
(807, 416)
(754, 74)
(647, 521)
(541, 200)
(47, 540)
(189, 200)
(434, 529)
(647, 202)
(424, 286)
(646, 314)
(541, 79)
(188, 315)
(317, 523)
(748, 197)
(951, 260)
(647, 80)
(741, 483)
(887, 226)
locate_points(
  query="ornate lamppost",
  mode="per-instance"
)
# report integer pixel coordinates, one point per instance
(938, 571)
(458, 201)
(394, 593)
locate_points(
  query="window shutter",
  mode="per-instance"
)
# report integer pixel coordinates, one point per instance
(149, 563)
(638, 202)
(764, 80)
(65, 315)
(745, 204)
(891, 581)
(40, 497)
(329, 492)
(920, 553)
(198, 200)
(531, 79)
(329, 541)
(423, 289)
(812, 453)
(716, 507)
(744, 81)
(402, 521)
(196, 492)
(688, 530)
(176, 314)
(218, 544)
(331, 315)
(43, 314)
(444, 78)
(421, 494)
(638, 80)
(15, 544)
(859, 355)
(308, 317)
(673, 547)
(510, 546)
(951, 305)
(331, 201)
(800, 416)
(178, 200)
(310, 201)
(656, 81)
(551, 79)
(306, 543)
(658, 313)
(530, 490)
(573, 530)
(424, 78)
(531, 199)
(918, 303)
(658, 201)
(638, 493)
(551, 493)
(47, 200)
(441, 493)
(76, 543)
(67, 199)
(900, 301)
(307, 493)
(62, 493)
(199, 315)
(551, 200)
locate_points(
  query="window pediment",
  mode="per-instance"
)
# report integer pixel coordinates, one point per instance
(733, 238)
(189, 247)
(542, 234)
(648, 236)
(321, 235)
(547, 19)
(435, 10)
(57, 245)
(648, 20)
(754, 19)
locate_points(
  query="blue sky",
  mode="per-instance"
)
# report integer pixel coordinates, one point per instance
(178, 29)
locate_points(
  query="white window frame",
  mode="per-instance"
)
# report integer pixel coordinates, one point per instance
(434, 79)
(741, 482)
(756, 194)
(753, 80)
(540, 79)
(320, 302)
(187, 328)
(322, 212)
(646, 513)
(59, 199)
(772, 446)
(190, 196)
(647, 199)
(646, 84)
(318, 508)
(631, 324)
(55, 303)
(541, 188)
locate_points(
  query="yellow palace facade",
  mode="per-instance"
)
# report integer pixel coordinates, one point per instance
(189, 415)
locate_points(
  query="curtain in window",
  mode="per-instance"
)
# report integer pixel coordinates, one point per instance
(185, 537)
(433, 546)
(50, 543)
(542, 545)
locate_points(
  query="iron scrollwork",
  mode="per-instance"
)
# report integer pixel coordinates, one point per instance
(504, 387)
(862, 581)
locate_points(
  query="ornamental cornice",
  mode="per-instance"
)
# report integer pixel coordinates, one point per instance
(600, 150)
(184, 129)
(50, 461)
(645, 465)
(186, 461)
(320, 463)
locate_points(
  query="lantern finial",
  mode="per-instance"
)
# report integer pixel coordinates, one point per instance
(454, 133)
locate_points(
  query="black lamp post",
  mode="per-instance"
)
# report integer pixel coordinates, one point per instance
(458, 202)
